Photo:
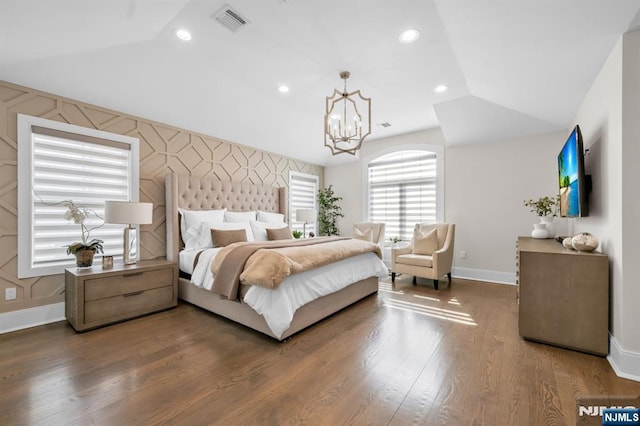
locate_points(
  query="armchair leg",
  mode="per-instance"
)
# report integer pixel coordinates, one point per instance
(414, 280)
(449, 276)
(435, 284)
(393, 277)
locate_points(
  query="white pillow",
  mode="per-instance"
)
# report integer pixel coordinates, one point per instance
(270, 217)
(425, 243)
(240, 216)
(200, 237)
(366, 235)
(193, 219)
(260, 229)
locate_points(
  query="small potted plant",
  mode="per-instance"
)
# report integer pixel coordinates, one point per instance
(546, 208)
(86, 248)
(296, 233)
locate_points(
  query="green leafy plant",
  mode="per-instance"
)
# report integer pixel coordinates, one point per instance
(296, 233)
(79, 215)
(544, 206)
(395, 240)
(329, 211)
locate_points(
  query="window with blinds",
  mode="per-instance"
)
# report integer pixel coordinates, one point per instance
(58, 162)
(303, 194)
(402, 191)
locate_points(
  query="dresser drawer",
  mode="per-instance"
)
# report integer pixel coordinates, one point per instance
(127, 282)
(133, 303)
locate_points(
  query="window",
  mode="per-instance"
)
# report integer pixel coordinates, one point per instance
(303, 192)
(402, 191)
(58, 162)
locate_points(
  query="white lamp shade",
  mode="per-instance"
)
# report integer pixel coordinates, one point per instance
(128, 212)
(306, 215)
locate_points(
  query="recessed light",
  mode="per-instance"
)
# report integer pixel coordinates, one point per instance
(283, 89)
(441, 89)
(409, 36)
(183, 34)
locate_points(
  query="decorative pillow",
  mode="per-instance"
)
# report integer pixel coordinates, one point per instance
(222, 238)
(200, 237)
(270, 217)
(239, 216)
(259, 229)
(425, 243)
(193, 218)
(279, 233)
(366, 235)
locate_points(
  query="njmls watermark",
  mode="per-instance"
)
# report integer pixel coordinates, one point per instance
(608, 410)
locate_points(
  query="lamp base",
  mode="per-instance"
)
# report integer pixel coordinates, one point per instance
(130, 244)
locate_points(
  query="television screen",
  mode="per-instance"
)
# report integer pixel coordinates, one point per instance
(573, 190)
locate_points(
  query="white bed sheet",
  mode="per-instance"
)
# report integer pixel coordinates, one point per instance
(279, 306)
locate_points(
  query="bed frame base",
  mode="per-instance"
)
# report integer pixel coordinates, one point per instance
(304, 317)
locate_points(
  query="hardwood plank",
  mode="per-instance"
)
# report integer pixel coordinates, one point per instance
(408, 355)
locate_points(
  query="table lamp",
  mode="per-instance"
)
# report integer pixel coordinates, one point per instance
(306, 216)
(129, 213)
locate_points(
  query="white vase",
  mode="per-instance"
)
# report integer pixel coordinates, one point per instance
(539, 231)
(551, 227)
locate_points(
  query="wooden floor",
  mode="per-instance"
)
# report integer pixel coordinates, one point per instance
(408, 355)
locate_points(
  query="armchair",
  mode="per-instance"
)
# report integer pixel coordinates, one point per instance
(361, 231)
(434, 266)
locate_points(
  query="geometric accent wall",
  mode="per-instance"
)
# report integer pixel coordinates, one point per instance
(163, 148)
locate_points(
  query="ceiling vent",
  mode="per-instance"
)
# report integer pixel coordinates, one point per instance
(385, 124)
(230, 18)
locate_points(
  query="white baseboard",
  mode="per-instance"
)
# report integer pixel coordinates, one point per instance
(625, 363)
(31, 317)
(484, 275)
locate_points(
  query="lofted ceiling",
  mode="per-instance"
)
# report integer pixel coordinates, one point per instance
(513, 67)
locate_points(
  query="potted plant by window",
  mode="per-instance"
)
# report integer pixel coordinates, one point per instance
(86, 248)
(546, 208)
(329, 211)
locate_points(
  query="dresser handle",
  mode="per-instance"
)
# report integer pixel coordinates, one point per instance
(132, 274)
(135, 293)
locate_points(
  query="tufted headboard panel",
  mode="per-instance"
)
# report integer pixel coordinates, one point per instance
(206, 193)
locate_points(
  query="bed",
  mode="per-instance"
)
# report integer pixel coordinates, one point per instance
(207, 193)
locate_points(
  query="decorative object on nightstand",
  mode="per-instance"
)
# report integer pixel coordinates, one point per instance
(306, 216)
(107, 262)
(129, 213)
(86, 248)
(97, 297)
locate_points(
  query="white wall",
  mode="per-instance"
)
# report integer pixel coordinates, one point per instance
(486, 185)
(609, 121)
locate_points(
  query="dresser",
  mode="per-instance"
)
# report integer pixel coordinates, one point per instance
(96, 297)
(563, 295)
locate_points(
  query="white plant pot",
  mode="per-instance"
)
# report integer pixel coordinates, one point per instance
(551, 227)
(539, 231)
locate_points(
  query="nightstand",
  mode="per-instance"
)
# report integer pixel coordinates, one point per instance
(96, 297)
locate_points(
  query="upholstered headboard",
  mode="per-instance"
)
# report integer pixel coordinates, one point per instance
(206, 193)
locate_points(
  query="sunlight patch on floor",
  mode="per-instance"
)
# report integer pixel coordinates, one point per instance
(430, 311)
(388, 288)
(435, 299)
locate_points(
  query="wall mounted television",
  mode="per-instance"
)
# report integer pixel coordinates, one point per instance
(575, 184)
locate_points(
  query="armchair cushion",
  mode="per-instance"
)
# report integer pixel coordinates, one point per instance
(377, 230)
(415, 260)
(425, 242)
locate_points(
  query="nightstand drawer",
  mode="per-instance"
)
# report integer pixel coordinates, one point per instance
(132, 303)
(128, 282)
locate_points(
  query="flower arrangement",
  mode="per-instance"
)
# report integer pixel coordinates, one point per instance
(544, 206)
(395, 240)
(79, 215)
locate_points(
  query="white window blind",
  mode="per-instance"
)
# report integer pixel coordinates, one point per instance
(402, 191)
(303, 194)
(69, 165)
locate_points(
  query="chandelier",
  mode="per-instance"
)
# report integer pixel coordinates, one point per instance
(347, 120)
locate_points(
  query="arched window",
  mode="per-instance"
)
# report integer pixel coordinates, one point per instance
(402, 191)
